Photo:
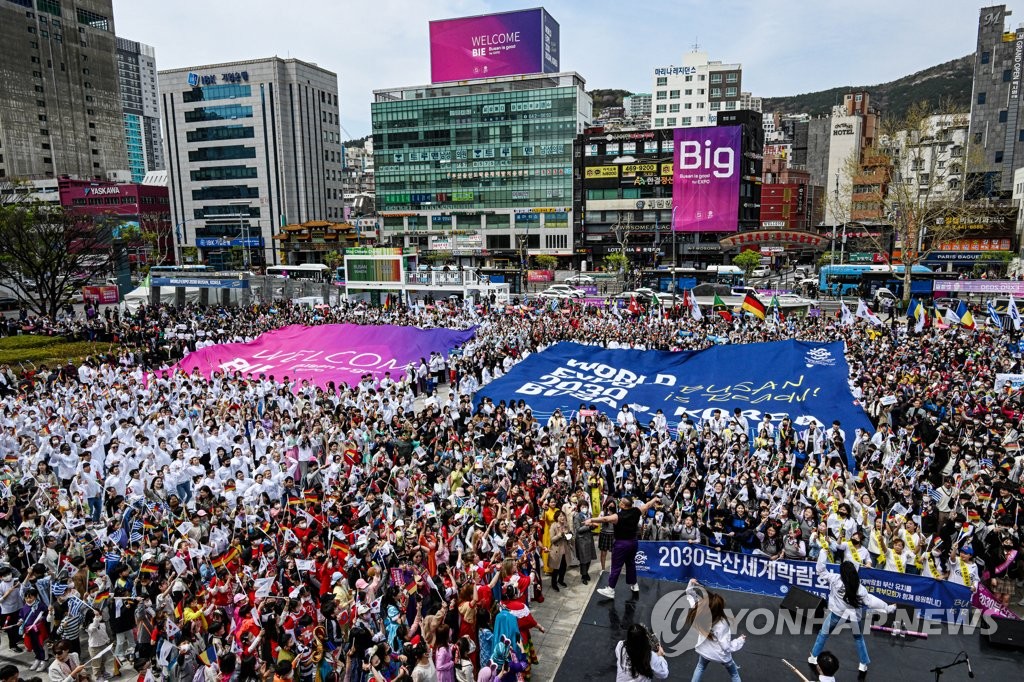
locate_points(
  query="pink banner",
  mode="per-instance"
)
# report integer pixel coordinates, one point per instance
(983, 599)
(328, 353)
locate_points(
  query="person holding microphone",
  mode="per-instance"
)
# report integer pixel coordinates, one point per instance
(847, 599)
(714, 632)
(626, 526)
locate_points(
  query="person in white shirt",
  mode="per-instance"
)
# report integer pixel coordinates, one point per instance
(962, 568)
(714, 634)
(636, 660)
(846, 598)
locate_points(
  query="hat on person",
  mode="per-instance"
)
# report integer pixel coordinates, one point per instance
(239, 598)
(968, 550)
(361, 584)
(336, 576)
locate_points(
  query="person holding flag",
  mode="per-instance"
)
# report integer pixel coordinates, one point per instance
(1013, 314)
(993, 316)
(695, 312)
(845, 316)
(964, 313)
(752, 304)
(916, 312)
(721, 308)
(864, 312)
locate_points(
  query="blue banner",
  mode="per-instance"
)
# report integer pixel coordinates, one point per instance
(803, 380)
(204, 282)
(680, 561)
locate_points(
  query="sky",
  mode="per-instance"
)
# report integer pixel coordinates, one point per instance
(786, 48)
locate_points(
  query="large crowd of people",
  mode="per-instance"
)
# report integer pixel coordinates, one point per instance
(251, 528)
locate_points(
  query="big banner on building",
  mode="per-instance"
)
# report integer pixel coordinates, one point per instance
(804, 380)
(680, 561)
(706, 185)
(327, 353)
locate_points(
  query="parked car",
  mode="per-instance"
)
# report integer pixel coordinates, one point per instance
(558, 294)
(580, 279)
(566, 289)
(884, 294)
(759, 273)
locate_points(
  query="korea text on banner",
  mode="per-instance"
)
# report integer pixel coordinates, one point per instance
(327, 353)
(718, 569)
(804, 380)
(706, 187)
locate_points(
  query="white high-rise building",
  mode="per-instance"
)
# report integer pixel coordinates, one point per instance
(691, 95)
(250, 146)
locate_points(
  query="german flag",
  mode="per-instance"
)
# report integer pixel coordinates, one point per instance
(410, 587)
(100, 598)
(179, 610)
(721, 308)
(340, 549)
(149, 525)
(295, 501)
(149, 567)
(225, 558)
(310, 497)
(752, 304)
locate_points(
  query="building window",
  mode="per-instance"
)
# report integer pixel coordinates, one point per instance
(716, 78)
(1006, 75)
(1002, 116)
(661, 94)
(978, 137)
(730, 92)
(94, 20)
(673, 94)
(688, 92)
(1020, 135)
(686, 120)
(716, 92)
(659, 122)
(981, 98)
(674, 108)
(730, 106)
(671, 121)
(660, 109)
(986, 57)
(689, 105)
(732, 77)
(689, 79)
(662, 81)
(999, 157)
(716, 106)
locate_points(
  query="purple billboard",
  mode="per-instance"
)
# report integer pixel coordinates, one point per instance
(492, 45)
(706, 187)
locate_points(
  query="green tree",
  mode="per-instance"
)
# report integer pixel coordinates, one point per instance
(544, 261)
(748, 260)
(616, 261)
(55, 248)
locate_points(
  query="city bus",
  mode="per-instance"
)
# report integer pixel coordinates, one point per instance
(848, 278)
(311, 272)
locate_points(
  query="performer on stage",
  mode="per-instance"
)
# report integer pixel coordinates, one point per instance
(846, 599)
(626, 526)
(714, 638)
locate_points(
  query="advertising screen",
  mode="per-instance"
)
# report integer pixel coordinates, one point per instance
(706, 185)
(493, 45)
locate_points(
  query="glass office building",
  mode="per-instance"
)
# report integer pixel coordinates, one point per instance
(481, 168)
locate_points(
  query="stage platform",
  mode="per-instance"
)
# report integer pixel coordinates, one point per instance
(591, 653)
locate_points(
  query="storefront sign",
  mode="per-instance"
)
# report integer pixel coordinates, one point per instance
(602, 172)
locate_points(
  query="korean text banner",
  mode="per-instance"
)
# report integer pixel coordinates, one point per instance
(805, 380)
(718, 569)
(327, 353)
(506, 44)
(706, 185)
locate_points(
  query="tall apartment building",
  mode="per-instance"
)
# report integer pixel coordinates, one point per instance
(997, 126)
(136, 72)
(60, 100)
(691, 95)
(637, 105)
(250, 146)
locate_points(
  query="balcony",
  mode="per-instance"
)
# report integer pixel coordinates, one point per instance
(441, 278)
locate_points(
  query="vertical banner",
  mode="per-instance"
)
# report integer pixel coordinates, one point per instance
(706, 185)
